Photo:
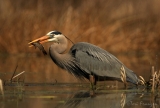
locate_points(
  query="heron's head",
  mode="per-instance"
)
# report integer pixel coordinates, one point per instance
(54, 36)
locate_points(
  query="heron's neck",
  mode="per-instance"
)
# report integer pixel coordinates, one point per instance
(60, 47)
(56, 52)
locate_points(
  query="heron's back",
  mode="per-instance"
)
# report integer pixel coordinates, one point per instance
(94, 60)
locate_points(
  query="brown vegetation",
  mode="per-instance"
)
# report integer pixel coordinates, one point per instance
(127, 28)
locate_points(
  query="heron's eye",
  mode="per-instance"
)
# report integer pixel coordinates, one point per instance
(51, 36)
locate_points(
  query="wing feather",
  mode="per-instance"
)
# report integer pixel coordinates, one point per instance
(94, 60)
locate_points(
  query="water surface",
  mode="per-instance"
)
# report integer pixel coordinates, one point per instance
(75, 95)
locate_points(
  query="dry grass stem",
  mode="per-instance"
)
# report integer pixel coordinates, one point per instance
(142, 81)
(123, 76)
(14, 72)
(155, 79)
(1, 87)
(18, 74)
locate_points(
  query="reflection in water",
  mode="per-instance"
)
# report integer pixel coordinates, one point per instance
(119, 99)
(66, 96)
(109, 100)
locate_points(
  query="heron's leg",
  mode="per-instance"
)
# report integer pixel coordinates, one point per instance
(92, 82)
(92, 85)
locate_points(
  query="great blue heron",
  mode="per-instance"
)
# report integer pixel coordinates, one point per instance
(85, 60)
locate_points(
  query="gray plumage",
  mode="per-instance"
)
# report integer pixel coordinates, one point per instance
(84, 59)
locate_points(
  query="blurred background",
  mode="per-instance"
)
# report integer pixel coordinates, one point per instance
(129, 29)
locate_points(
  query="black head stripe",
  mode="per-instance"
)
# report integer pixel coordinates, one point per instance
(56, 32)
(53, 33)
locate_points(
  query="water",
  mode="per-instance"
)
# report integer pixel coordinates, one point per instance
(75, 95)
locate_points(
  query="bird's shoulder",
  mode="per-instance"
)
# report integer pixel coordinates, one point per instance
(85, 47)
(91, 50)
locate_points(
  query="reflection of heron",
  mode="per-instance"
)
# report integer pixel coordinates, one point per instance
(105, 100)
(85, 60)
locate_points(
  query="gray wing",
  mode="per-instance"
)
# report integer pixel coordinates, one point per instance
(94, 60)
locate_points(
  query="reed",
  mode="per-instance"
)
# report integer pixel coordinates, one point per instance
(14, 73)
(123, 76)
(18, 74)
(1, 88)
(155, 79)
(142, 81)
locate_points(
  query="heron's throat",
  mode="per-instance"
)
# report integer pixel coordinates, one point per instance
(58, 56)
(59, 47)
(57, 53)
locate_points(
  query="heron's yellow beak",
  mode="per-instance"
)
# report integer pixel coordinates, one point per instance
(41, 40)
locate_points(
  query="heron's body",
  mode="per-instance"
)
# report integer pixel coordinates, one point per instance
(85, 59)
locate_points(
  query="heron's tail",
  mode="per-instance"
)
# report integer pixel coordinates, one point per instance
(132, 77)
